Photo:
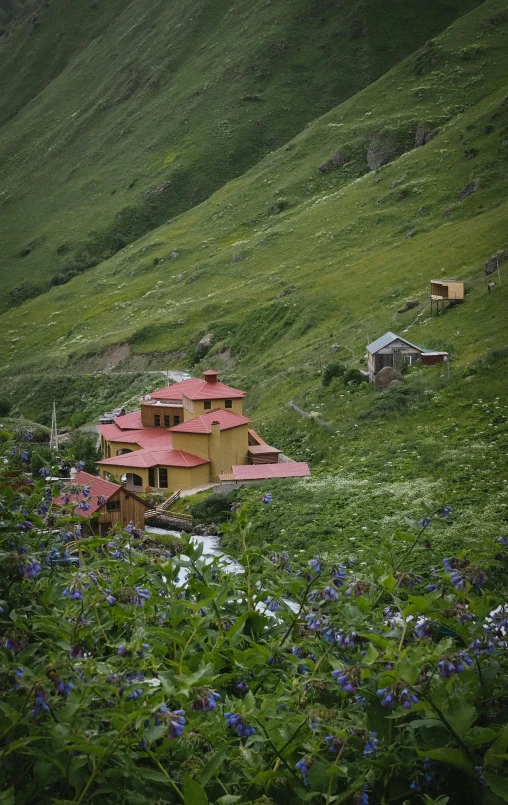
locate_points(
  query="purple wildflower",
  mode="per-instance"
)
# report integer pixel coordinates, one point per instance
(139, 596)
(348, 679)
(63, 687)
(30, 568)
(316, 564)
(303, 766)
(314, 622)
(424, 522)
(339, 575)
(207, 702)
(370, 744)
(237, 723)
(175, 719)
(41, 703)
(335, 743)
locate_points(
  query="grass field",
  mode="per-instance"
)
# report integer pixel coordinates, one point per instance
(286, 260)
(119, 116)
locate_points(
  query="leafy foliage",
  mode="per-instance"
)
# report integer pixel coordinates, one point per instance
(289, 681)
(332, 370)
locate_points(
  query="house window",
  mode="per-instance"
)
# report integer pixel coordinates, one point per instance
(113, 506)
(151, 476)
(137, 480)
(176, 420)
(163, 478)
(208, 405)
(228, 403)
(157, 420)
(166, 421)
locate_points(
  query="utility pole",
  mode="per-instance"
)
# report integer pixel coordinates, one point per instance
(53, 439)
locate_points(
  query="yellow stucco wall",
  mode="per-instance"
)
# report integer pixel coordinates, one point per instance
(194, 443)
(188, 477)
(224, 449)
(148, 412)
(178, 477)
(193, 408)
(114, 447)
(227, 448)
(115, 473)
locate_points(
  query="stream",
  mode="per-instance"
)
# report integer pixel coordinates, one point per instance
(211, 548)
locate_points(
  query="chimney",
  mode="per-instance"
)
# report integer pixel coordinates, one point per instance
(210, 376)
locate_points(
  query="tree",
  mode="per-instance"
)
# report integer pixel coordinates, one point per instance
(83, 447)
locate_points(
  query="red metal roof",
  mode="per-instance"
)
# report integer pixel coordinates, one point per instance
(154, 458)
(129, 421)
(153, 438)
(196, 389)
(203, 423)
(98, 488)
(252, 472)
(255, 438)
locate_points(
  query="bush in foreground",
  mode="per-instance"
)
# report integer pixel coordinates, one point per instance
(315, 683)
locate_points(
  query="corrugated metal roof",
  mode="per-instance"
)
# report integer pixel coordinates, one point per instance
(386, 339)
(154, 458)
(203, 423)
(252, 472)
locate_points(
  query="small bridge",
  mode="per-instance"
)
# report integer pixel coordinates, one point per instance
(182, 521)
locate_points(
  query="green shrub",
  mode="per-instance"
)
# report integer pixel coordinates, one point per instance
(355, 376)
(334, 369)
(215, 509)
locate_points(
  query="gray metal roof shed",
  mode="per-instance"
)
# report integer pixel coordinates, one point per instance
(386, 339)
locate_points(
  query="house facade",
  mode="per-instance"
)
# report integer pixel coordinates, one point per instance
(182, 437)
(106, 504)
(393, 350)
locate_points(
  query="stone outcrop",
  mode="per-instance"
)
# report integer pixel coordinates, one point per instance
(386, 376)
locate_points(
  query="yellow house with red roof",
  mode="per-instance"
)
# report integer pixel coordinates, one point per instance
(183, 437)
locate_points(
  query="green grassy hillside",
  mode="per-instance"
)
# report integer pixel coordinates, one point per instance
(289, 259)
(119, 115)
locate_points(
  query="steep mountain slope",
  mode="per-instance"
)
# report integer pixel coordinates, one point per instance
(122, 115)
(301, 252)
(40, 38)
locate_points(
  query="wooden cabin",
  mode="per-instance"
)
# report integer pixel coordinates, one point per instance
(391, 350)
(108, 504)
(447, 289)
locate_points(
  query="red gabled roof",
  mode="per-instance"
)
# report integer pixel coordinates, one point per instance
(203, 423)
(154, 458)
(196, 389)
(99, 488)
(252, 472)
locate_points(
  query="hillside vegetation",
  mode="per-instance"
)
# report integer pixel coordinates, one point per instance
(119, 116)
(310, 248)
